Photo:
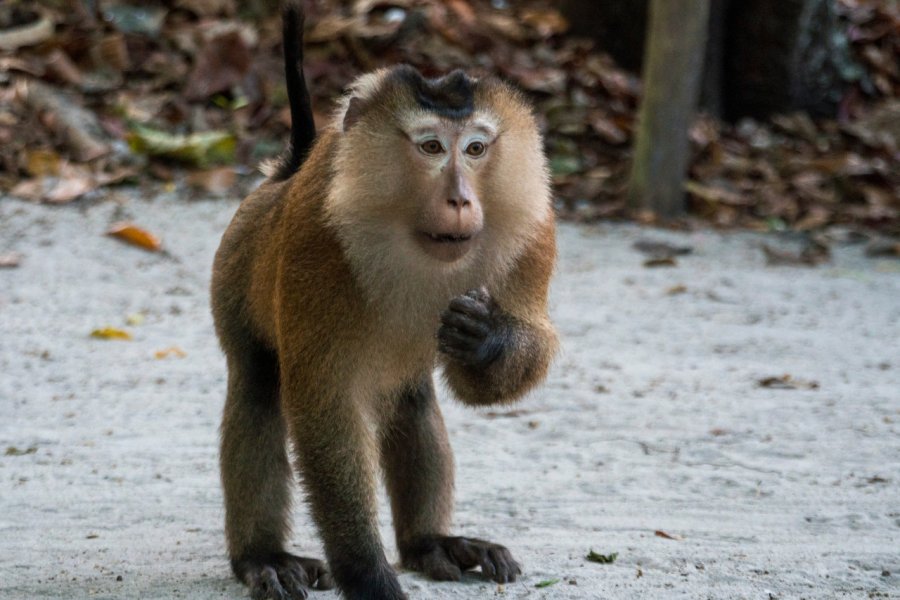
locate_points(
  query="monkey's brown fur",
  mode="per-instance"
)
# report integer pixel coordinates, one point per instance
(331, 346)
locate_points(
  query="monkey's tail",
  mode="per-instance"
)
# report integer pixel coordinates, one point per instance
(303, 127)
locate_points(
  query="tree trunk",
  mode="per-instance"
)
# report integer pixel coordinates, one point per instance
(786, 55)
(673, 64)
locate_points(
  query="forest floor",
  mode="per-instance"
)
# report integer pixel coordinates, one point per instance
(666, 433)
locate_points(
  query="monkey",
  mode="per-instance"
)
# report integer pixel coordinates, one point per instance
(414, 231)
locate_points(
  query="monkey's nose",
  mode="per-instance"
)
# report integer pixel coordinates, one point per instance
(459, 204)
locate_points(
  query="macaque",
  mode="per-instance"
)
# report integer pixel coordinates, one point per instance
(415, 230)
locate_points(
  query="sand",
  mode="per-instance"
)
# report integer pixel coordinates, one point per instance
(652, 419)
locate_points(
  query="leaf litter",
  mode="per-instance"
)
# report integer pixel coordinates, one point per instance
(192, 84)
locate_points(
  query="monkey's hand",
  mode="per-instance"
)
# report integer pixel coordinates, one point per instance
(491, 354)
(472, 331)
(444, 558)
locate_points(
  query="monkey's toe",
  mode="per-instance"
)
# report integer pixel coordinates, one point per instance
(444, 558)
(436, 564)
(283, 576)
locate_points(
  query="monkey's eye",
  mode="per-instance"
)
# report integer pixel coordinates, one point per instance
(431, 147)
(476, 149)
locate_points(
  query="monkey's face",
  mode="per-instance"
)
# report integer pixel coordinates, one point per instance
(437, 177)
(448, 158)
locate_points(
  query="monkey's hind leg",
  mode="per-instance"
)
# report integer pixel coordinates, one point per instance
(256, 478)
(418, 464)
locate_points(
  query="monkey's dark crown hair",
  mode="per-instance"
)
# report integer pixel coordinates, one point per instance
(451, 96)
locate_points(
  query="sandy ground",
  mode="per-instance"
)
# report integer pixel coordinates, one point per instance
(652, 419)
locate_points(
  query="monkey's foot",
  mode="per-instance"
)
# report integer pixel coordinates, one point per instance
(282, 576)
(444, 558)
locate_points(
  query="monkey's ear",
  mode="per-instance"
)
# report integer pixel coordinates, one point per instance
(354, 112)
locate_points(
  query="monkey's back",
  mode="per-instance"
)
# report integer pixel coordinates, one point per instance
(280, 257)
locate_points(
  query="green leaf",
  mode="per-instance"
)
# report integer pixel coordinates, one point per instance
(603, 559)
(546, 583)
(201, 149)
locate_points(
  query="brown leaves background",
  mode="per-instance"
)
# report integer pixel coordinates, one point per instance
(141, 93)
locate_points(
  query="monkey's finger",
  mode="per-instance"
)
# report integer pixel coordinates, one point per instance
(460, 356)
(458, 339)
(473, 326)
(481, 294)
(463, 357)
(470, 306)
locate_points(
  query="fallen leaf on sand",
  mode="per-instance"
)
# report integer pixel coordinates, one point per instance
(676, 289)
(170, 351)
(127, 232)
(135, 319)
(786, 382)
(14, 451)
(10, 261)
(69, 188)
(660, 261)
(110, 333)
(656, 249)
(668, 536)
(811, 255)
(546, 583)
(507, 414)
(603, 559)
(883, 248)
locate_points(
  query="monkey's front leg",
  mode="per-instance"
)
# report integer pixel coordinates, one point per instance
(337, 455)
(418, 464)
(492, 355)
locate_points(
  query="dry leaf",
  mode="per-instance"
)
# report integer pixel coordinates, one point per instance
(41, 162)
(546, 22)
(657, 249)
(883, 248)
(135, 319)
(110, 333)
(603, 559)
(136, 236)
(10, 260)
(813, 254)
(660, 261)
(78, 126)
(224, 60)
(676, 290)
(34, 30)
(70, 187)
(29, 189)
(668, 536)
(786, 382)
(214, 181)
(170, 351)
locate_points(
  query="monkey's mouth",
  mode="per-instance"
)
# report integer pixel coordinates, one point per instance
(446, 247)
(448, 238)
